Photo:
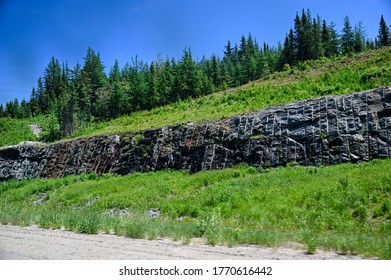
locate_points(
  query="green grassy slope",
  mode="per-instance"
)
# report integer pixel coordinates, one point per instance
(13, 131)
(345, 208)
(311, 79)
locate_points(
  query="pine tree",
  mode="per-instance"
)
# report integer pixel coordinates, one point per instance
(176, 71)
(34, 103)
(52, 81)
(271, 58)
(154, 99)
(384, 37)
(317, 46)
(371, 44)
(65, 114)
(359, 37)
(142, 86)
(347, 38)
(79, 91)
(53, 126)
(228, 65)
(298, 36)
(333, 46)
(136, 88)
(188, 79)
(304, 36)
(215, 72)
(12, 109)
(68, 103)
(205, 84)
(25, 110)
(330, 40)
(237, 68)
(288, 54)
(2, 113)
(250, 59)
(93, 76)
(252, 46)
(115, 99)
(225, 77)
(43, 100)
(326, 38)
(52, 87)
(228, 52)
(242, 62)
(166, 84)
(93, 70)
(115, 73)
(243, 47)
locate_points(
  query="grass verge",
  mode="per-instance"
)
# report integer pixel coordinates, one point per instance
(346, 208)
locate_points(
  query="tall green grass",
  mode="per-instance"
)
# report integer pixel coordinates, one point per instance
(13, 131)
(346, 208)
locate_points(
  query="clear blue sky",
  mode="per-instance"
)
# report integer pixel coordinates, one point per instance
(32, 31)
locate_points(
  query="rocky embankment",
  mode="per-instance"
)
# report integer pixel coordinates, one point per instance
(327, 130)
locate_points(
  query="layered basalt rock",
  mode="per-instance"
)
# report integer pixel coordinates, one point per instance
(322, 131)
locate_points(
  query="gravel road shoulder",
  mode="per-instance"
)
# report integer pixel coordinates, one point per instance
(21, 243)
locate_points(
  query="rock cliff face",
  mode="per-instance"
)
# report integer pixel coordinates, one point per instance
(327, 130)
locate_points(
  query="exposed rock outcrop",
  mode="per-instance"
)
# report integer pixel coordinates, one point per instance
(327, 130)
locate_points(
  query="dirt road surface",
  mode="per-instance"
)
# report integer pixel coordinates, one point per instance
(25, 243)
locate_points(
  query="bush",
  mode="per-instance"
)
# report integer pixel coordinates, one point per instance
(89, 223)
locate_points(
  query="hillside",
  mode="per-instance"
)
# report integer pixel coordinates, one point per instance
(344, 208)
(319, 131)
(341, 75)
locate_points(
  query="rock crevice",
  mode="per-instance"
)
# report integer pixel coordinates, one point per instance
(322, 131)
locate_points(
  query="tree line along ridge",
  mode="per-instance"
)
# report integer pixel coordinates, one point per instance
(75, 97)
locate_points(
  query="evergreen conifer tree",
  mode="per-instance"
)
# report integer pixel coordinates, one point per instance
(215, 72)
(154, 98)
(188, 78)
(384, 37)
(334, 40)
(317, 46)
(93, 76)
(288, 54)
(228, 52)
(359, 37)
(347, 38)
(34, 103)
(25, 109)
(115, 73)
(43, 100)
(166, 84)
(326, 39)
(12, 109)
(304, 36)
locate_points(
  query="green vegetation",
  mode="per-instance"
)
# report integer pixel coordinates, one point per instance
(346, 208)
(327, 76)
(75, 98)
(13, 131)
(322, 77)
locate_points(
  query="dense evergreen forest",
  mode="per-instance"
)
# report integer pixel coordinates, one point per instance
(75, 97)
